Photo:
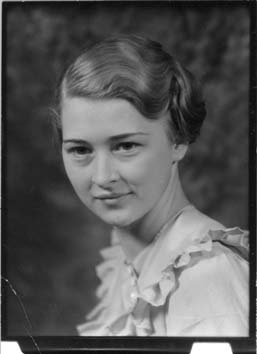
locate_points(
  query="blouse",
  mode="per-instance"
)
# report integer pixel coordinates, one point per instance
(191, 280)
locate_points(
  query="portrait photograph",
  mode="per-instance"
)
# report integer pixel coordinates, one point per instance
(128, 174)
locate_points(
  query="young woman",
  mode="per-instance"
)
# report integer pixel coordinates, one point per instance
(128, 112)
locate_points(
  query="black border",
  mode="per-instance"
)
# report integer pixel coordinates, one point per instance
(53, 344)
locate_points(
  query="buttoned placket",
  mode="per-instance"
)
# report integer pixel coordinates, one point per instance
(133, 294)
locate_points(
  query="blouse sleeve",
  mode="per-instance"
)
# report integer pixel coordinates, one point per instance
(229, 325)
(212, 298)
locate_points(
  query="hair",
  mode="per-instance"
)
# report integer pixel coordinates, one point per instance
(138, 70)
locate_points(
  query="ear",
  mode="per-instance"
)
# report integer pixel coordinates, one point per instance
(179, 151)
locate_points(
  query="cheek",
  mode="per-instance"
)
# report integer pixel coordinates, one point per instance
(157, 179)
(151, 172)
(77, 177)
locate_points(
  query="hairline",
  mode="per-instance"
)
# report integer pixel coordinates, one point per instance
(65, 95)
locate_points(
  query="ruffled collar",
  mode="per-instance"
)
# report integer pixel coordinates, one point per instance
(151, 275)
(188, 232)
(185, 233)
(167, 245)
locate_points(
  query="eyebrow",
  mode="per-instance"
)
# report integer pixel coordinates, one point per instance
(112, 138)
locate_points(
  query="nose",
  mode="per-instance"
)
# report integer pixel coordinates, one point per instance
(104, 171)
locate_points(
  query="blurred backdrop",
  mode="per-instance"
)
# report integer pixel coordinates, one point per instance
(51, 241)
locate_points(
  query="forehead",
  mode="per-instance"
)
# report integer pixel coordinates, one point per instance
(85, 118)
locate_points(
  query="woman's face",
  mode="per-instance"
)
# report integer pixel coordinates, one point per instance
(118, 162)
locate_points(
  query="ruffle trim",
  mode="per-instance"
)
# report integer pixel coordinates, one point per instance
(137, 321)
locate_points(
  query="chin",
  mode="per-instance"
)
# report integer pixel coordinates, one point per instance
(117, 219)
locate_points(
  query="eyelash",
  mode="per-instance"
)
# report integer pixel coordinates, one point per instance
(126, 147)
(131, 144)
(79, 150)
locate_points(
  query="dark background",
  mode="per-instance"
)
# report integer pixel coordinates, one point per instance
(51, 241)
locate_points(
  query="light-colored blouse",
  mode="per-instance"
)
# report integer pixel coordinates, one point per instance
(191, 280)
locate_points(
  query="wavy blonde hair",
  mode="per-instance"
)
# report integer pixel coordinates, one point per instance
(138, 70)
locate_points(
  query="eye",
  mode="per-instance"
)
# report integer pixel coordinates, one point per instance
(127, 147)
(79, 152)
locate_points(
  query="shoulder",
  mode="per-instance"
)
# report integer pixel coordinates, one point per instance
(213, 266)
(212, 275)
(193, 248)
(212, 295)
(193, 221)
(201, 236)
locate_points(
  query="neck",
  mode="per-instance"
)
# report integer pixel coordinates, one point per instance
(171, 202)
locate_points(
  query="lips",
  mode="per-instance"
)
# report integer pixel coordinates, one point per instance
(110, 196)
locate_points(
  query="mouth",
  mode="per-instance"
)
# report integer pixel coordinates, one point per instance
(111, 197)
